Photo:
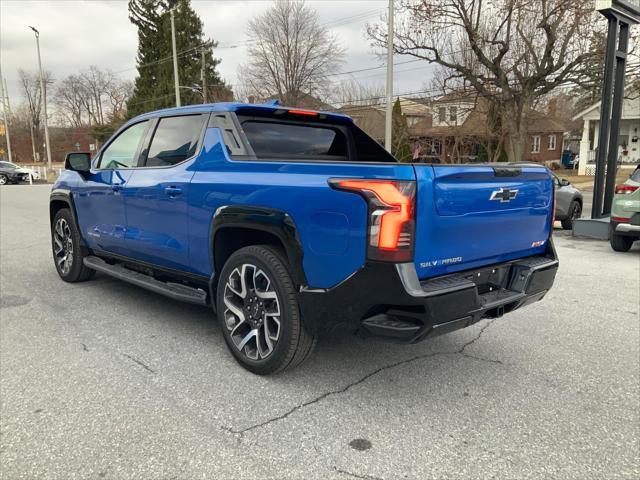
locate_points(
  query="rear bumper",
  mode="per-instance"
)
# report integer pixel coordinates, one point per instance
(387, 300)
(630, 227)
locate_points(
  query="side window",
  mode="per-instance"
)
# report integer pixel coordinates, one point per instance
(175, 140)
(234, 144)
(122, 152)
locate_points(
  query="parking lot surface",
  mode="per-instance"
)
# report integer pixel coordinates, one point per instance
(106, 380)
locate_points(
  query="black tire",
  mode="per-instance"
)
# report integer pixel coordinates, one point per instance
(294, 343)
(619, 243)
(3, 179)
(75, 270)
(575, 211)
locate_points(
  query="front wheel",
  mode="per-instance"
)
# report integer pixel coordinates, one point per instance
(258, 312)
(67, 252)
(575, 212)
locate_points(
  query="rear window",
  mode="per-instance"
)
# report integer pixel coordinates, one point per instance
(281, 139)
(635, 176)
(278, 140)
(175, 140)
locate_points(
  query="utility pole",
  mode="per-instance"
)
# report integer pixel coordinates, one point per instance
(389, 113)
(5, 100)
(43, 90)
(203, 76)
(176, 80)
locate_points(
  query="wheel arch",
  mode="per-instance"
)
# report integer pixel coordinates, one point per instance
(235, 227)
(58, 200)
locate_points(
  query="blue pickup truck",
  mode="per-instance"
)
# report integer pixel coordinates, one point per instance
(291, 223)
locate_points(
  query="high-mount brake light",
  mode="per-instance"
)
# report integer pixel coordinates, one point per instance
(625, 189)
(308, 113)
(391, 216)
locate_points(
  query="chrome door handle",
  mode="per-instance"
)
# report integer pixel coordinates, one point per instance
(173, 191)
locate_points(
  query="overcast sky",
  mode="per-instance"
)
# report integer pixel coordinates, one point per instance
(76, 34)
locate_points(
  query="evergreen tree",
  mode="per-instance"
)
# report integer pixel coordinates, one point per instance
(400, 147)
(154, 86)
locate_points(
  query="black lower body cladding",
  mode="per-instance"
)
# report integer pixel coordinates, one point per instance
(387, 300)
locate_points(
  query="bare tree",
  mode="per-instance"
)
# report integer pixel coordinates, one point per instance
(351, 93)
(509, 51)
(92, 97)
(30, 83)
(70, 102)
(290, 53)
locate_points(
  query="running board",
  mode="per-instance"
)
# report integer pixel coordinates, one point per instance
(175, 291)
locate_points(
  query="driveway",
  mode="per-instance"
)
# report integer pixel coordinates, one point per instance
(106, 380)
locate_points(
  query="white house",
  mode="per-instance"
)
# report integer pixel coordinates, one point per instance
(629, 139)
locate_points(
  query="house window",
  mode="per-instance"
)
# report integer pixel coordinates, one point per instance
(442, 114)
(552, 142)
(536, 144)
(453, 114)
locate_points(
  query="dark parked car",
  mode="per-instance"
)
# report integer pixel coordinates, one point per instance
(10, 174)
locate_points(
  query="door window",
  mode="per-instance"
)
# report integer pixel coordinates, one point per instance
(123, 151)
(175, 140)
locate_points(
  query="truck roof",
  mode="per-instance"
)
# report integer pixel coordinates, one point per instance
(245, 108)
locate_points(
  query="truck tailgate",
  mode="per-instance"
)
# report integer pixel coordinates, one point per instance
(470, 216)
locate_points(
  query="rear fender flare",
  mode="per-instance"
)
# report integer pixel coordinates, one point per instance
(262, 219)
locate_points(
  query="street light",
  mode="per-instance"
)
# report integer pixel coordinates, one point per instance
(44, 97)
(389, 113)
(175, 57)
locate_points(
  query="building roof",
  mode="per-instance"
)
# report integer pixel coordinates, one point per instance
(629, 91)
(476, 125)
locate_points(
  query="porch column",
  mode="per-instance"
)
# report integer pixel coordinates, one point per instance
(584, 148)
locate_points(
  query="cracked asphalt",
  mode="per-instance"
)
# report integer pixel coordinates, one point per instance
(105, 380)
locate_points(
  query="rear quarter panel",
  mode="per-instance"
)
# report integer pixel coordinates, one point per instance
(331, 224)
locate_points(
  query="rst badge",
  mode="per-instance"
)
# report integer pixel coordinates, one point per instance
(504, 195)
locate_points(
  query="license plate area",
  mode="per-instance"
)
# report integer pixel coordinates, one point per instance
(491, 278)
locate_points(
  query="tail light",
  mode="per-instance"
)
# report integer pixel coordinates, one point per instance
(391, 224)
(625, 189)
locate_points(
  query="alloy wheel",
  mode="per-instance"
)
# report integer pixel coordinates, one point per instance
(252, 311)
(577, 211)
(63, 246)
(3, 180)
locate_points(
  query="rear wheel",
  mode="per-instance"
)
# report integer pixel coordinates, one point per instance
(619, 243)
(3, 179)
(258, 312)
(67, 252)
(575, 212)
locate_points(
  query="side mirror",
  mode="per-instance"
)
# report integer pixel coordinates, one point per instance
(78, 162)
(564, 182)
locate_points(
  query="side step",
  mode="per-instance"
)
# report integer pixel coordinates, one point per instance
(175, 291)
(385, 325)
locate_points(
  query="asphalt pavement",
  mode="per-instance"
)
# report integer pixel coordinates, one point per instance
(106, 380)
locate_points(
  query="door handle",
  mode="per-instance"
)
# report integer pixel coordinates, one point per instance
(173, 191)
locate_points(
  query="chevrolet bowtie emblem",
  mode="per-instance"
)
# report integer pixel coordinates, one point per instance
(504, 195)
